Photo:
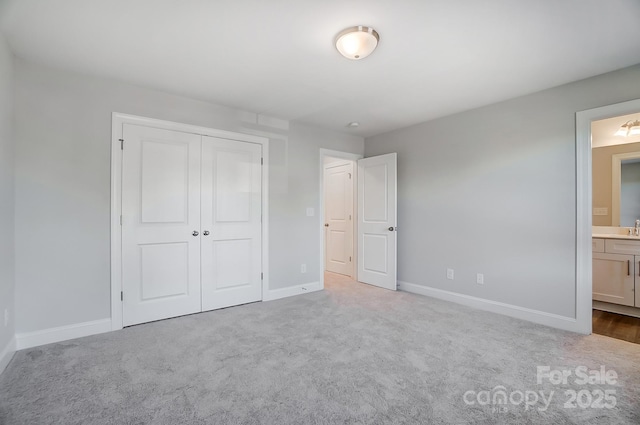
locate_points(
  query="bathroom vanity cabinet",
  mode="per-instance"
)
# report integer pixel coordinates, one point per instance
(616, 271)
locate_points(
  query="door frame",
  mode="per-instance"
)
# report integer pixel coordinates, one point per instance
(117, 122)
(584, 201)
(350, 157)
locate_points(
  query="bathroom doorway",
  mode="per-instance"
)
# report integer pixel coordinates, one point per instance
(615, 172)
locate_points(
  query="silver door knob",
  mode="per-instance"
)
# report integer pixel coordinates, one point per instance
(195, 233)
(206, 233)
(391, 229)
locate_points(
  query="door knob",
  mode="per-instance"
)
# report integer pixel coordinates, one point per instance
(195, 233)
(206, 233)
(391, 229)
(326, 224)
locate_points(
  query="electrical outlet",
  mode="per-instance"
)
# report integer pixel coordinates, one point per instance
(480, 279)
(6, 317)
(450, 274)
(303, 268)
(601, 211)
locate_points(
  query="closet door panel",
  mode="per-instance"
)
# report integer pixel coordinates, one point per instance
(160, 211)
(231, 223)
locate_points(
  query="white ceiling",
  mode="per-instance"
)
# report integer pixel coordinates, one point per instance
(276, 57)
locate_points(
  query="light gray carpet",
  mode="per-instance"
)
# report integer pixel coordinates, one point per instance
(351, 354)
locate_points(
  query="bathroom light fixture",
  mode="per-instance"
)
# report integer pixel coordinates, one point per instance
(357, 42)
(630, 128)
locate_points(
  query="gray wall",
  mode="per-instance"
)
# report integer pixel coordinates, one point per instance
(294, 236)
(493, 190)
(6, 194)
(63, 136)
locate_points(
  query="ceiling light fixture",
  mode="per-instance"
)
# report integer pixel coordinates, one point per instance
(353, 124)
(630, 128)
(357, 42)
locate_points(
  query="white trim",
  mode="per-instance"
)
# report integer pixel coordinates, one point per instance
(535, 316)
(118, 120)
(186, 128)
(616, 183)
(116, 235)
(62, 333)
(7, 354)
(265, 216)
(276, 294)
(351, 157)
(584, 203)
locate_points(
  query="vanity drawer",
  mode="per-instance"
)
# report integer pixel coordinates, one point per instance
(597, 245)
(621, 246)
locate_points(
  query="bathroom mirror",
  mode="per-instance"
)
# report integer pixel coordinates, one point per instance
(625, 189)
(608, 164)
(615, 173)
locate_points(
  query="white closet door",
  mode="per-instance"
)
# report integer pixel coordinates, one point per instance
(377, 199)
(161, 211)
(338, 213)
(231, 223)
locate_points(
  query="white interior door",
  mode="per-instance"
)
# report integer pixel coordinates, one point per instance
(338, 215)
(231, 223)
(160, 212)
(377, 199)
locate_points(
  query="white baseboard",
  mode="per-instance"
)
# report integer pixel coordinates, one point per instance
(7, 353)
(535, 316)
(62, 333)
(275, 294)
(616, 308)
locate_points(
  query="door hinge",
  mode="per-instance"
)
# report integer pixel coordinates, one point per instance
(349, 259)
(261, 276)
(121, 296)
(349, 176)
(261, 161)
(121, 144)
(120, 219)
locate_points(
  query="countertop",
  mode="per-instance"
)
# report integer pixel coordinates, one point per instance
(612, 232)
(610, 236)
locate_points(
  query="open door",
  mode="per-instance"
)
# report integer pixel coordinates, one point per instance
(377, 199)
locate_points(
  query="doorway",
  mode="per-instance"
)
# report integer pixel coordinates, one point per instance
(374, 216)
(338, 210)
(616, 209)
(338, 216)
(584, 211)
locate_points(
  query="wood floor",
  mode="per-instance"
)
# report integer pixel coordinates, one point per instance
(616, 326)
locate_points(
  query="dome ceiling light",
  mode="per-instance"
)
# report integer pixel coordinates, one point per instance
(357, 42)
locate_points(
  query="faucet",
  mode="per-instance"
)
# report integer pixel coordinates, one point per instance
(636, 230)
